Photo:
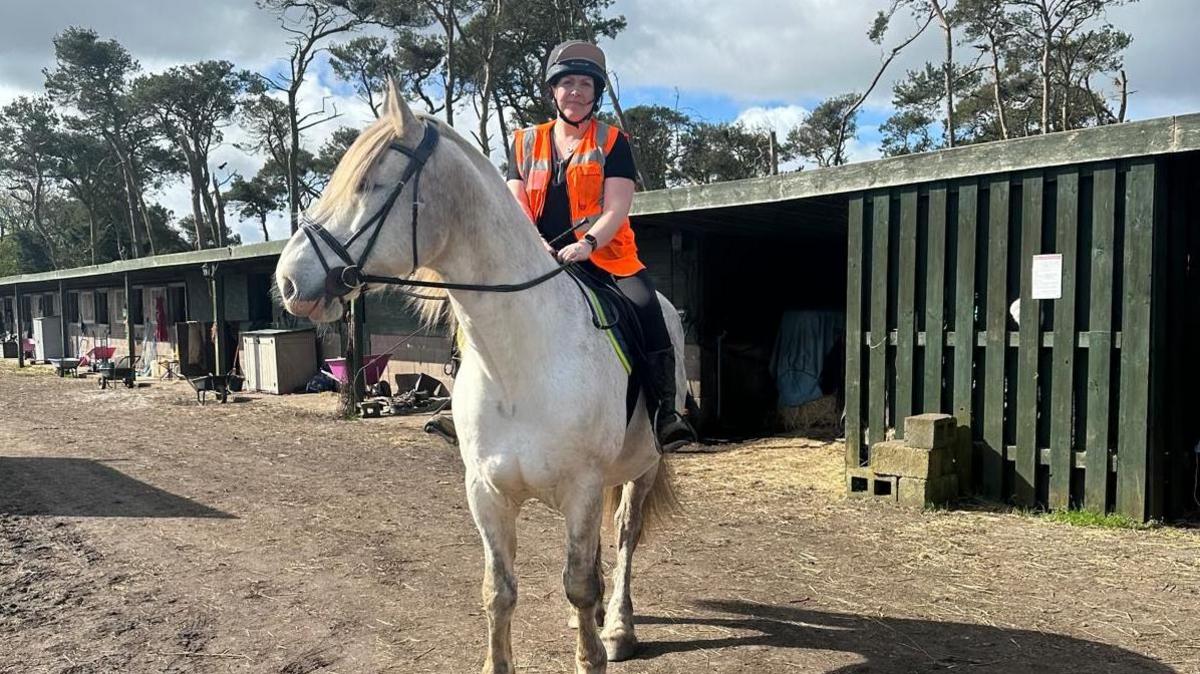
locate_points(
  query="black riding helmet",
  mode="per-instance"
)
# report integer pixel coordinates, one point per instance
(576, 57)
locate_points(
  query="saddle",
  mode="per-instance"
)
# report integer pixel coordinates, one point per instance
(616, 316)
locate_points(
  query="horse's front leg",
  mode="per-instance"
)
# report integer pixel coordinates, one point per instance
(618, 636)
(496, 517)
(581, 576)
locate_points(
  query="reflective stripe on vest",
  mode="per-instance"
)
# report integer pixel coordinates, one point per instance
(585, 188)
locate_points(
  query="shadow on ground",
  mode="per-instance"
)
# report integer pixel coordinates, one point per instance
(86, 488)
(898, 645)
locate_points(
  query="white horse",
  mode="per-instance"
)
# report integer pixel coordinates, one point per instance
(539, 402)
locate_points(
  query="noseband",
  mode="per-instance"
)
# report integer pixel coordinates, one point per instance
(344, 279)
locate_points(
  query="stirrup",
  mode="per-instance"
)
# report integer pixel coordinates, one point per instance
(443, 427)
(672, 432)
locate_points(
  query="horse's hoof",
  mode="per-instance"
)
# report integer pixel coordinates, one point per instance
(622, 646)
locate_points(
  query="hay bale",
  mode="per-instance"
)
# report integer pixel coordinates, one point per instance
(820, 417)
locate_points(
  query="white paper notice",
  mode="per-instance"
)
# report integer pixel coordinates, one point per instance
(1047, 277)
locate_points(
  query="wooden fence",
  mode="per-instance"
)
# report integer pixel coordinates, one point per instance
(1057, 400)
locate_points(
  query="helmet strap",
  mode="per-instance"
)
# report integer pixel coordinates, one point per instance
(573, 122)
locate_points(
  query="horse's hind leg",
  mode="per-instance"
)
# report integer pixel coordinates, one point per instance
(496, 518)
(620, 641)
(581, 577)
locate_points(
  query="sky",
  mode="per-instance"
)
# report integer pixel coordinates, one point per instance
(762, 62)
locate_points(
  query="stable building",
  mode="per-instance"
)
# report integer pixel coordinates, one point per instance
(1040, 290)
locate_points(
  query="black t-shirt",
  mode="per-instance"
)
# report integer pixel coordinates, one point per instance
(556, 214)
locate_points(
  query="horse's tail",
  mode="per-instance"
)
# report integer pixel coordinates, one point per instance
(660, 506)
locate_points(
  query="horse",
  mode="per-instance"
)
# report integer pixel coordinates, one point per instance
(540, 395)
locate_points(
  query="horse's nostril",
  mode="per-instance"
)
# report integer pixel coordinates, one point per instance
(287, 288)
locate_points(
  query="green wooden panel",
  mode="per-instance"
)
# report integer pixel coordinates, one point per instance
(935, 289)
(1066, 219)
(964, 301)
(854, 332)
(1025, 485)
(1132, 441)
(877, 390)
(992, 461)
(905, 308)
(1096, 472)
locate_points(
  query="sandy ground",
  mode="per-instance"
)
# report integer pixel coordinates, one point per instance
(140, 532)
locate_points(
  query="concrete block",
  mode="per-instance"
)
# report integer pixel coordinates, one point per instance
(896, 457)
(862, 483)
(914, 492)
(930, 431)
(858, 482)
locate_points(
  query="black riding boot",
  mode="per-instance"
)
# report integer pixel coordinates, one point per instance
(672, 428)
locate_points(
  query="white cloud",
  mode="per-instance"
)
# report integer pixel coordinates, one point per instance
(781, 119)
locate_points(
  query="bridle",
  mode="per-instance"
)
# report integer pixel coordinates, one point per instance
(344, 279)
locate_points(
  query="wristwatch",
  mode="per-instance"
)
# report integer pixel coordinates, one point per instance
(592, 240)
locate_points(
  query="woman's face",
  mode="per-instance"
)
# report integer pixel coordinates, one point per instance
(575, 95)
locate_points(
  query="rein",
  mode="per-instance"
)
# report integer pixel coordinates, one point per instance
(344, 279)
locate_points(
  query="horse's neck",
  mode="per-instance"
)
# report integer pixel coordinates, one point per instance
(510, 331)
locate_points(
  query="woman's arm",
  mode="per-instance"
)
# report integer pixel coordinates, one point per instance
(618, 197)
(517, 187)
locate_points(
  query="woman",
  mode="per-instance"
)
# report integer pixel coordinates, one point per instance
(574, 176)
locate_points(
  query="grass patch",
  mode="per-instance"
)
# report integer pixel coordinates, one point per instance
(1085, 518)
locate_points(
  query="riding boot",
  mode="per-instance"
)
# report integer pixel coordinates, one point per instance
(672, 429)
(442, 425)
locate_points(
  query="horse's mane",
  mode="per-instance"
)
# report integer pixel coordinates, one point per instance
(345, 188)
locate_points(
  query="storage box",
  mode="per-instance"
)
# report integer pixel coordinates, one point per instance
(278, 361)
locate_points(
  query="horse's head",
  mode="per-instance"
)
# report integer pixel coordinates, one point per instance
(372, 217)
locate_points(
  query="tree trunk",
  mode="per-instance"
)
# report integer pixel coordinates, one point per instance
(214, 222)
(91, 229)
(449, 25)
(996, 94)
(263, 221)
(293, 180)
(220, 205)
(1124, 96)
(135, 242)
(947, 71)
(146, 220)
(503, 125)
(1046, 86)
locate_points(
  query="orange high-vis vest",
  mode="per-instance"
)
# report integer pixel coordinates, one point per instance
(585, 188)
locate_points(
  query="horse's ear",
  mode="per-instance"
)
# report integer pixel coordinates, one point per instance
(398, 111)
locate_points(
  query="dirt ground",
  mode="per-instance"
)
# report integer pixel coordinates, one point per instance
(140, 532)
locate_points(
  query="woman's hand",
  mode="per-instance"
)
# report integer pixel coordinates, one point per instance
(576, 252)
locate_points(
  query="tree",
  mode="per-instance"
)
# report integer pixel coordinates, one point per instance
(85, 165)
(92, 75)
(822, 136)
(309, 22)
(879, 29)
(718, 152)
(1047, 23)
(658, 132)
(190, 105)
(366, 63)
(259, 198)
(27, 128)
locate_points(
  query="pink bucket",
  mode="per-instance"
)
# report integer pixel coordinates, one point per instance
(373, 368)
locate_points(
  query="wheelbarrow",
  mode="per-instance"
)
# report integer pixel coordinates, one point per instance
(124, 369)
(219, 385)
(65, 366)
